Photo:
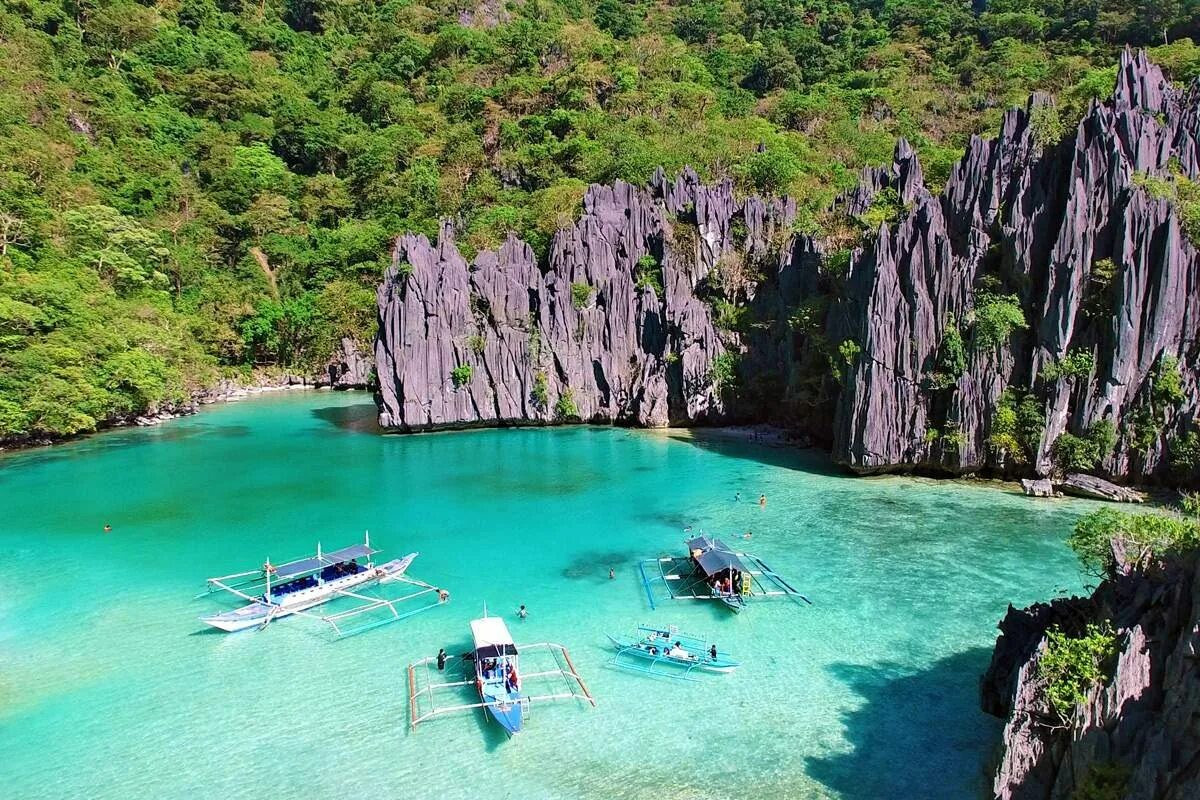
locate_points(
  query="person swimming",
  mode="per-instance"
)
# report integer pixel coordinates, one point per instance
(107, 528)
(762, 500)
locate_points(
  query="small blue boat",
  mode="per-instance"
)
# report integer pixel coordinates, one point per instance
(496, 675)
(669, 653)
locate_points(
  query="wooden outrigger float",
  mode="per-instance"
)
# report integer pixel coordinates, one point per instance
(713, 571)
(282, 590)
(492, 668)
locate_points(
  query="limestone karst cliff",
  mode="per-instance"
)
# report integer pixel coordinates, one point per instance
(1138, 734)
(1042, 306)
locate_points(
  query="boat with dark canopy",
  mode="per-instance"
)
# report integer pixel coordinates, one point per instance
(712, 570)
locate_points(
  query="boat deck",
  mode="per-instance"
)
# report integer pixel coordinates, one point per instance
(547, 674)
(676, 578)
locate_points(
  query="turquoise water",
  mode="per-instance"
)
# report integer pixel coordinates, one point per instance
(111, 688)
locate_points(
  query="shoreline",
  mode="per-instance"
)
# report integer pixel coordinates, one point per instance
(763, 434)
(225, 390)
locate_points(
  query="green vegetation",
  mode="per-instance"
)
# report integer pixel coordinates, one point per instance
(476, 343)
(540, 391)
(196, 187)
(1098, 293)
(461, 375)
(996, 318)
(1185, 454)
(886, 209)
(723, 372)
(649, 274)
(1103, 781)
(1016, 429)
(1077, 363)
(581, 295)
(1082, 453)
(951, 358)
(848, 351)
(566, 407)
(1047, 126)
(1164, 393)
(1071, 666)
(1142, 536)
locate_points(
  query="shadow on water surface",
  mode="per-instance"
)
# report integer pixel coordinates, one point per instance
(359, 418)
(910, 737)
(596, 564)
(787, 456)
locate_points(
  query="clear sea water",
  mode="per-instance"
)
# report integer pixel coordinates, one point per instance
(111, 688)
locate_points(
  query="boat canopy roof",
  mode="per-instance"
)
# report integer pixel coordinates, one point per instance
(323, 560)
(714, 556)
(492, 638)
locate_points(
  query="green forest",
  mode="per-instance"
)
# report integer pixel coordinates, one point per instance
(192, 188)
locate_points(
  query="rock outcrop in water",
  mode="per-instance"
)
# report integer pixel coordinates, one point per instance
(900, 350)
(1139, 733)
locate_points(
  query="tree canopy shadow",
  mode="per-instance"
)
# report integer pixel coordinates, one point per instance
(917, 734)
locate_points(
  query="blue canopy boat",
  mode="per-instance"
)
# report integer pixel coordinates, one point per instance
(659, 651)
(496, 675)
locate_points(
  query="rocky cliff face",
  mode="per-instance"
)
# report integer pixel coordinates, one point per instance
(648, 300)
(614, 330)
(1080, 234)
(1139, 733)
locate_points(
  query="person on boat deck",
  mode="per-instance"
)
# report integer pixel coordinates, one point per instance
(678, 652)
(510, 678)
(712, 652)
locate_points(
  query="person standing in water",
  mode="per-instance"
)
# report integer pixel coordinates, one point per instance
(441, 659)
(737, 496)
(611, 573)
(762, 501)
(522, 612)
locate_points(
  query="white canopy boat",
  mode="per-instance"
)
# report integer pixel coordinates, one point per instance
(281, 590)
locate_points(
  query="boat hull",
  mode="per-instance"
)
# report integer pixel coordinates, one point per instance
(260, 612)
(507, 712)
(700, 661)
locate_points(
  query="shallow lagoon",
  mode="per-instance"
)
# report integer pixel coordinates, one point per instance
(111, 688)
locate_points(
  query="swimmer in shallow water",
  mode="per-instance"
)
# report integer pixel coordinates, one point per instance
(107, 528)
(611, 574)
(762, 500)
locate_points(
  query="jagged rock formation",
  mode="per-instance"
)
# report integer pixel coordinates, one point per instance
(583, 340)
(846, 343)
(1141, 728)
(1035, 221)
(348, 367)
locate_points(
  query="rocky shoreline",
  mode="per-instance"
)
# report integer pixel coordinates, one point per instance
(1137, 734)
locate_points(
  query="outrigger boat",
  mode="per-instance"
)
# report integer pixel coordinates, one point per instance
(652, 648)
(497, 678)
(280, 590)
(714, 571)
(493, 668)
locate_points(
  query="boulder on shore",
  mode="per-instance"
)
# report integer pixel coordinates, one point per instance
(1090, 486)
(1040, 487)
